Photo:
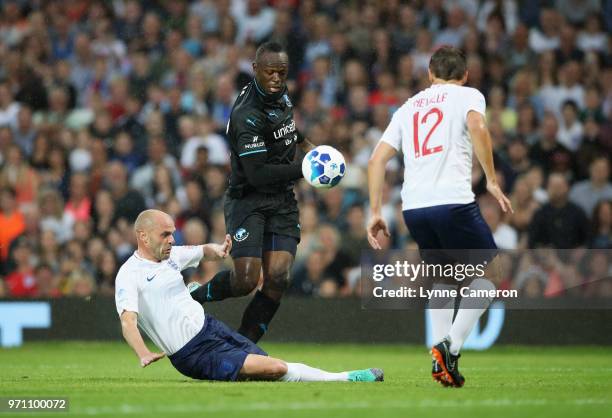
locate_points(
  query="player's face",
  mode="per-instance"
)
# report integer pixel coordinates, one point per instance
(271, 71)
(161, 240)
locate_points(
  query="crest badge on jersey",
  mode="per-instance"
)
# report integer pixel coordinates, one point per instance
(241, 234)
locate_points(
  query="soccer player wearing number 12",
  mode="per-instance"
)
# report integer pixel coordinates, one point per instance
(437, 130)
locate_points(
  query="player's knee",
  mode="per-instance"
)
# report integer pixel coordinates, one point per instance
(278, 279)
(246, 278)
(245, 286)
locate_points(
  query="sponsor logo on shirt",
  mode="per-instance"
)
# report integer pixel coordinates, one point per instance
(151, 278)
(255, 144)
(286, 129)
(290, 140)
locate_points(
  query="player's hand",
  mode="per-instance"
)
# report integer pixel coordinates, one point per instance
(375, 225)
(501, 198)
(218, 251)
(150, 358)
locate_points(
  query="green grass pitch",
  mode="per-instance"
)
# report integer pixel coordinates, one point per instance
(105, 380)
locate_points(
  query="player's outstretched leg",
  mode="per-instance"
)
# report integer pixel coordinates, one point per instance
(259, 367)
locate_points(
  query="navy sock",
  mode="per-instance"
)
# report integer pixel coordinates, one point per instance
(257, 316)
(218, 288)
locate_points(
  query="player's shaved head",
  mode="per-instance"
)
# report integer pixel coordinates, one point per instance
(271, 67)
(147, 219)
(154, 230)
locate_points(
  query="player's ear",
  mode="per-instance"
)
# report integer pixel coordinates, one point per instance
(254, 67)
(430, 75)
(465, 78)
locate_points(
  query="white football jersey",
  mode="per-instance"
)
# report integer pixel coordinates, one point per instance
(156, 291)
(431, 131)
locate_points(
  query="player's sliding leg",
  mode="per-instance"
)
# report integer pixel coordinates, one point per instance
(441, 310)
(259, 367)
(259, 313)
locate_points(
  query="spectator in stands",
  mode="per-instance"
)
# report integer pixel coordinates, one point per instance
(587, 193)
(46, 282)
(548, 153)
(128, 202)
(143, 178)
(21, 281)
(559, 223)
(79, 203)
(311, 278)
(19, 176)
(546, 36)
(106, 269)
(570, 129)
(524, 205)
(601, 230)
(53, 217)
(24, 131)
(12, 222)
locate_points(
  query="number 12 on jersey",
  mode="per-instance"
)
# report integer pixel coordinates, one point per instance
(423, 150)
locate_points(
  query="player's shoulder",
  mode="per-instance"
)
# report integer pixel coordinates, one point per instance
(129, 270)
(466, 91)
(248, 115)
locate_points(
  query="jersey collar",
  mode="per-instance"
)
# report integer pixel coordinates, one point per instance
(269, 98)
(144, 259)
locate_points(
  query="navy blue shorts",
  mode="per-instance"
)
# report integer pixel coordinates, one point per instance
(459, 228)
(215, 353)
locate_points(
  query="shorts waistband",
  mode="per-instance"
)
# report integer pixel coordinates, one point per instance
(191, 344)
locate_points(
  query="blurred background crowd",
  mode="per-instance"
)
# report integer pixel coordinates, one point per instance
(111, 107)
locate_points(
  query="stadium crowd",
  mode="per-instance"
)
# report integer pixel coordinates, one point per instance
(110, 107)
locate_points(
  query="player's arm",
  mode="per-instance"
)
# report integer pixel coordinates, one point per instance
(248, 129)
(483, 148)
(259, 173)
(376, 180)
(129, 328)
(306, 145)
(215, 252)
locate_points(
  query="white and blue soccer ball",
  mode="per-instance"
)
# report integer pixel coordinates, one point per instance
(323, 167)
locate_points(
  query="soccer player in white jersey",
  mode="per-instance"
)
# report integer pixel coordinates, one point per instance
(150, 293)
(437, 130)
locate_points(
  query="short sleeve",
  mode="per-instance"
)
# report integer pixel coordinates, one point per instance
(126, 293)
(249, 133)
(393, 133)
(187, 255)
(474, 100)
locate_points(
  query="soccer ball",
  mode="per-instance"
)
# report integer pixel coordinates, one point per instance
(323, 167)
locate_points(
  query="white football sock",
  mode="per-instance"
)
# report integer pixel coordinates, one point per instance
(441, 311)
(298, 372)
(470, 310)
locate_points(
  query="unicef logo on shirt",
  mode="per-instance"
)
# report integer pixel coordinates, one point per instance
(241, 235)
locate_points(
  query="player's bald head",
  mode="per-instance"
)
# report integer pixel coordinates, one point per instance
(154, 230)
(148, 219)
